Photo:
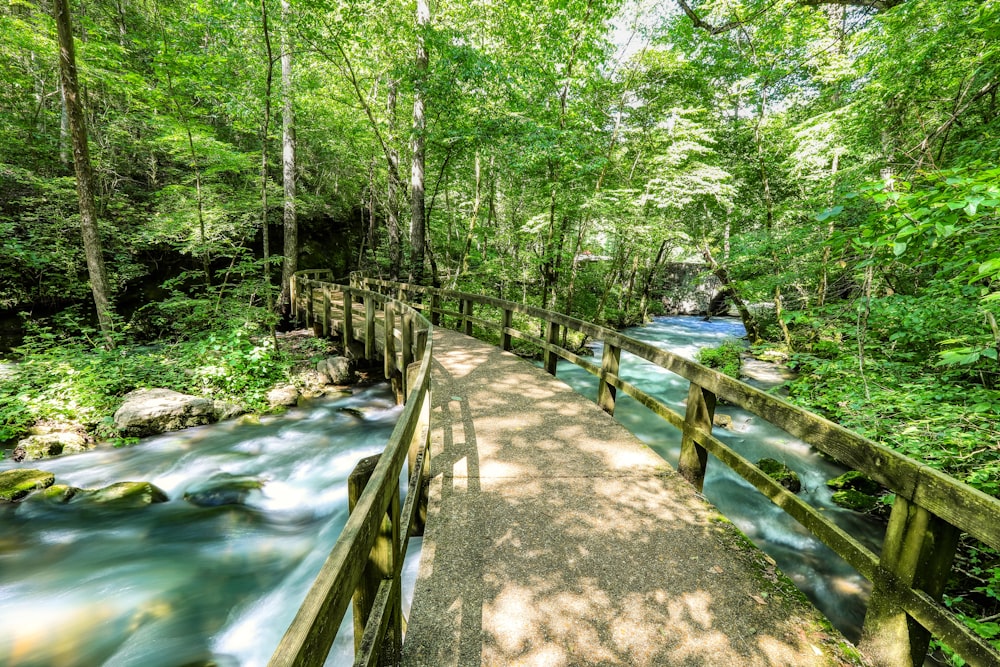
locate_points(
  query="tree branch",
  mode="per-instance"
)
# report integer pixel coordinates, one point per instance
(698, 22)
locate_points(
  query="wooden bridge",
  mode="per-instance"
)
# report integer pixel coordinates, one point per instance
(554, 538)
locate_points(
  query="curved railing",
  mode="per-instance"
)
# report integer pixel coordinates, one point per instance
(366, 562)
(930, 511)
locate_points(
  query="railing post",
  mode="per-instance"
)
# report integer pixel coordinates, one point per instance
(435, 307)
(406, 343)
(698, 416)
(309, 304)
(293, 296)
(466, 309)
(917, 552)
(369, 328)
(381, 563)
(552, 338)
(327, 325)
(606, 392)
(389, 348)
(348, 332)
(420, 443)
(508, 323)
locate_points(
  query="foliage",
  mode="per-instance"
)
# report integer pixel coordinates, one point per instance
(72, 379)
(724, 358)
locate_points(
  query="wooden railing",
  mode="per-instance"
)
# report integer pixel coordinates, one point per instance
(365, 564)
(930, 511)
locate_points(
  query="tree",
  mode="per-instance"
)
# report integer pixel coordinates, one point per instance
(418, 143)
(84, 172)
(290, 264)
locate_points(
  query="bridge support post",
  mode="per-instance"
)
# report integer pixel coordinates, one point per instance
(310, 306)
(606, 392)
(348, 331)
(698, 416)
(435, 308)
(466, 308)
(293, 297)
(381, 565)
(917, 552)
(549, 357)
(508, 323)
(369, 328)
(327, 328)
(419, 455)
(406, 343)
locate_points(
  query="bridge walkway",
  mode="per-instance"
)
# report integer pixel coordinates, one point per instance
(554, 537)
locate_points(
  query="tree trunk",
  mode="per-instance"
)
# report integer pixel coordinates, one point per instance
(84, 173)
(467, 249)
(417, 222)
(265, 127)
(392, 216)
(290, 264)
(749, 321)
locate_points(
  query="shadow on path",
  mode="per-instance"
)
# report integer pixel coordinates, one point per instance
(556, 538)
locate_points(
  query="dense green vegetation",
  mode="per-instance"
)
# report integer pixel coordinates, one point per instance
(833, 163)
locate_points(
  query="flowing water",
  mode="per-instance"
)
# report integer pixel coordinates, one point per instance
(174, 583)
(833, 585)
(177, 584)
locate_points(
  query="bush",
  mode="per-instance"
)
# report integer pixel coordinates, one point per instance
(725, 358)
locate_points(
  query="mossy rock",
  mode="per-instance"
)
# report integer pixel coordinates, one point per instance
(855, 481)
(17, 484)
(781, 474)
(124, 495)
(222, 489)
(853, 499)
(57, 494)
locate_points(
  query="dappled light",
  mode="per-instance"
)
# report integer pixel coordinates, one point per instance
(556, 538)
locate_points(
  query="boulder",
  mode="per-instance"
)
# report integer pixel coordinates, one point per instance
(124, 495)
(283, 395)
(58, 494)
(150, 411)
(222, 489)
(781, 474)
(340, 370)
(53, 443)
(723, 421)
(18, 483)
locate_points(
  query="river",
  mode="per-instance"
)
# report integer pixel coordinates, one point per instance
(178, 584)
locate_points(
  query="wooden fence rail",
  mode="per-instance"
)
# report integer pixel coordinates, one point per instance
(930, 511)
(365, 565)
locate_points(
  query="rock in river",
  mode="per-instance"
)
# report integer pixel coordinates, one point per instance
(18, 483)
(151, 411)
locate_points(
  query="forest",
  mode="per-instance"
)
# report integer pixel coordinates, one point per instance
(833, 163)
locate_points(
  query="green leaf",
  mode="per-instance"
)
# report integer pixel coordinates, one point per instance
(898, 248)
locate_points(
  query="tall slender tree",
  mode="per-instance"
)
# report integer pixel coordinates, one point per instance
(290, 264)
(417, 145)
(84, 172)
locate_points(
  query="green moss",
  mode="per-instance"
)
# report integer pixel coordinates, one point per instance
(781, 473)
(855, 500)
(855, 481)
(16, 484)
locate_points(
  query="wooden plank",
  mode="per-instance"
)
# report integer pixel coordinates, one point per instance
(606, 390)
(368, 647)
(381, 560)
(505, 326)
(694, 456)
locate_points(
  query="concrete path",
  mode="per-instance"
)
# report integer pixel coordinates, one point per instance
(556, 538)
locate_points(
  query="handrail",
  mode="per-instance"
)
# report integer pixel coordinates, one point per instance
(930, 511)
(366, 562)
